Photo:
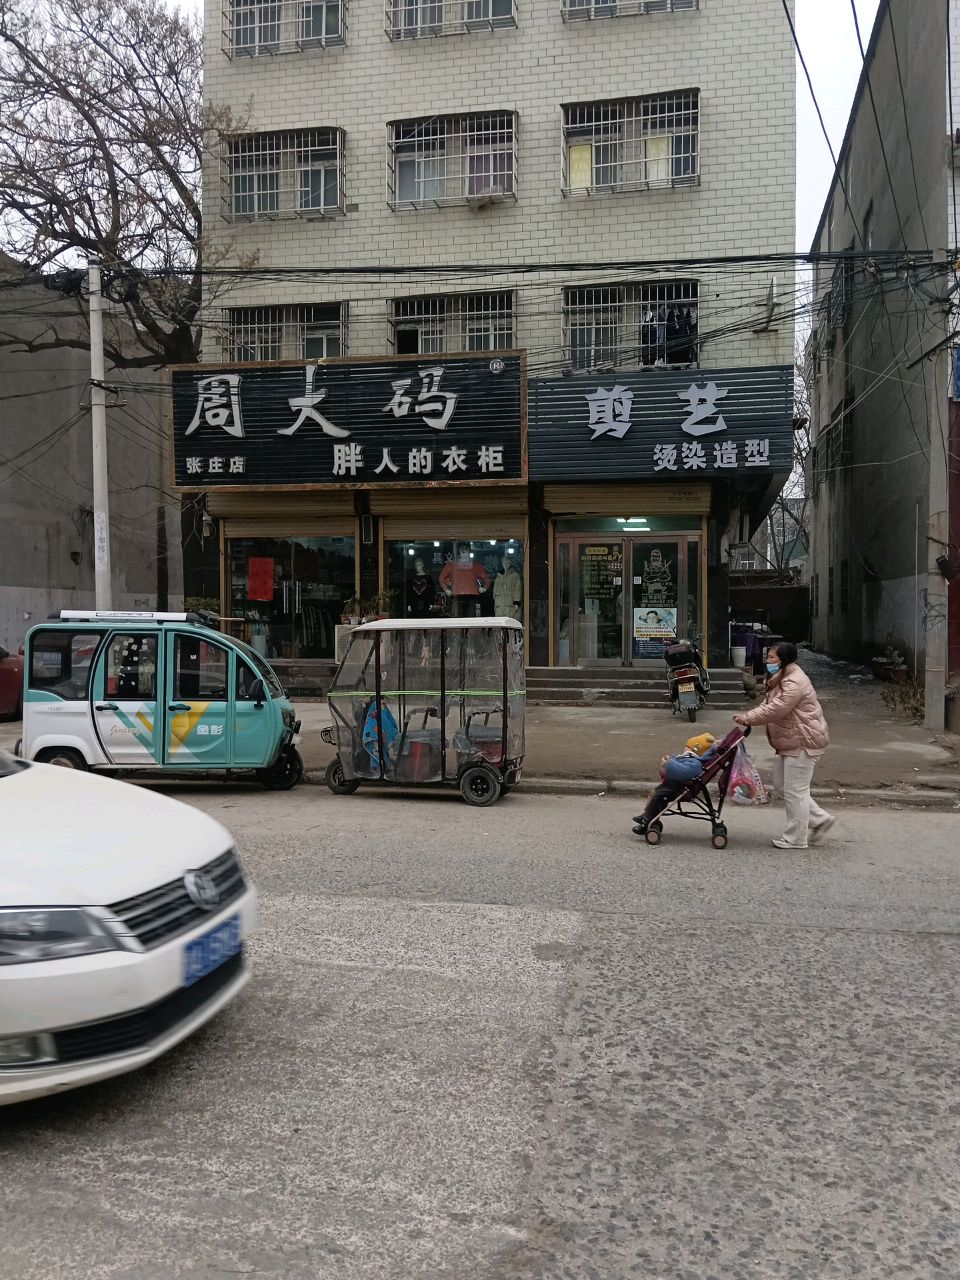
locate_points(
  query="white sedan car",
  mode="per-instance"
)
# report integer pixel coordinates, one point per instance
(122, 921)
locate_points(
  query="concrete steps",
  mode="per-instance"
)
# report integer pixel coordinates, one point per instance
(642, 686)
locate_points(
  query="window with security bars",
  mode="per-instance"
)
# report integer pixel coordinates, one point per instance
(616, 326)
(312, 331)
(252, 28)
(419, 19)
(815, 595)
(574, 9)
(635, 144)
(283, 175)
(830, 591)
(456, 322)
(451, 160)
(844, 585)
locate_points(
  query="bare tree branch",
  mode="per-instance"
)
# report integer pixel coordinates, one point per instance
(101, 154)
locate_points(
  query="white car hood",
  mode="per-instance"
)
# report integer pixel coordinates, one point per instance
(69, 838)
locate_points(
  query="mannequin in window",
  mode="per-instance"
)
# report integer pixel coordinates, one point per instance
(507, 590)
(464, 580)
(422, 593)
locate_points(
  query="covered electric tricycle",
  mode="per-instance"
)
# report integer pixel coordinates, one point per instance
(417, 703)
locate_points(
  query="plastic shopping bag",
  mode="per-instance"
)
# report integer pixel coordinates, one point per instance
(746, 785)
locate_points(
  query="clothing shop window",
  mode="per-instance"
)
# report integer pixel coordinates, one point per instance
(635, 144)
(456, 322)
(288, 593)
(459, 578)
(308, 331)
(628, 326)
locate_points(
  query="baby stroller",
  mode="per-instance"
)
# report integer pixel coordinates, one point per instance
(697, 797)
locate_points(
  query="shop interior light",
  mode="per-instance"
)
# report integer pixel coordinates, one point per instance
(436, 544)
(409, 551)
(509, 551)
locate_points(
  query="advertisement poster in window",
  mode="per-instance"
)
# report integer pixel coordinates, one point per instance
(260, 578)
(654, 624)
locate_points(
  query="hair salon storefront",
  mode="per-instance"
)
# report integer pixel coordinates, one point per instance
(358, 487)
(643, 480)
(402, 488)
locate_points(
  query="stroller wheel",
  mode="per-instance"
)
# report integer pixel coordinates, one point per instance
(720, 837)
(652, 835)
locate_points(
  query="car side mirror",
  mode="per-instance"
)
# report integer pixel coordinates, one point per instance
(4, 653)
(259, 691)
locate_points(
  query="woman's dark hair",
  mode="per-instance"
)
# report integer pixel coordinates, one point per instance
(787, 653)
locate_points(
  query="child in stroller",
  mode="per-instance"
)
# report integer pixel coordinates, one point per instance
(676, 777)
(684, 780)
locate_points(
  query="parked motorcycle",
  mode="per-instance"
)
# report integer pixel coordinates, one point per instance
(688, 681)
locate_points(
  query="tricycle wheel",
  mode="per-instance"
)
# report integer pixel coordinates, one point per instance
(692, 714)
(336, 781)
(285, 773)
(480, 786)
(65, 757)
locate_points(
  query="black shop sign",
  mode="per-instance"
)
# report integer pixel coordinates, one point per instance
(662, 423)
(406, 421)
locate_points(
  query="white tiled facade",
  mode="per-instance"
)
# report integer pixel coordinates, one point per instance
(738, 56)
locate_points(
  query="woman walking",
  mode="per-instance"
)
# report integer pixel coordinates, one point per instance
(797, 731)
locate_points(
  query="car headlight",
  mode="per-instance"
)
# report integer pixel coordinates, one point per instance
(289, 717)
(50, 933)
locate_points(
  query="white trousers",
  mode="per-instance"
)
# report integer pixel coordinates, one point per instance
(792, 776)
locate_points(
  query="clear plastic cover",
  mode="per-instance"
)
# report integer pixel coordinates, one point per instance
(446, 698)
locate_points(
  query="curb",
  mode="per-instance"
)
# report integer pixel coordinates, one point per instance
(892, 798)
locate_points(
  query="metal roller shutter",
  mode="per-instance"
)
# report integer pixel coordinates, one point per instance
(627, 499)
(452, 513)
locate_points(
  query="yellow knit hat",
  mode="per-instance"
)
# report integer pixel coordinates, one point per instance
(701, 743)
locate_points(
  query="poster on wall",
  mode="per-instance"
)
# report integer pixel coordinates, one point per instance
(654, 624)
(260, 578)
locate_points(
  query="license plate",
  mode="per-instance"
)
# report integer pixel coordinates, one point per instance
(687, 688)
(210, 950)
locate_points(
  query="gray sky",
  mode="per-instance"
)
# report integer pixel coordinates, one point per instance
(829, 43)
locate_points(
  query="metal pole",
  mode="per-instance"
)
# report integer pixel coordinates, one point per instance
(916, 596)
(98, 423)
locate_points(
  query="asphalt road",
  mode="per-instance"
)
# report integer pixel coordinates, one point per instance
(515, 1044)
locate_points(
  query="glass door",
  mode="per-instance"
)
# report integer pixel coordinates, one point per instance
(620, 600)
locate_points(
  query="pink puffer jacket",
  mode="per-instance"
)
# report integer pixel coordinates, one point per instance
(793, 715)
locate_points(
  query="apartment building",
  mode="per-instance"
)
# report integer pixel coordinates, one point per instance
(588, 435)
(884, 475)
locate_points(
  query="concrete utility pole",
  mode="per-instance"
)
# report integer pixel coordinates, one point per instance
(98, 423)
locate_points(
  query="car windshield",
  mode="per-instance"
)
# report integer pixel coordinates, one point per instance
(10, 764)
(262, 668)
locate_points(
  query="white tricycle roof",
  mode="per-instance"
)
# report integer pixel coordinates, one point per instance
(440, 624)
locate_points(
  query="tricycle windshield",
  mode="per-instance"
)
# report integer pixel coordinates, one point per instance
(262, 668)
(419, 704)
